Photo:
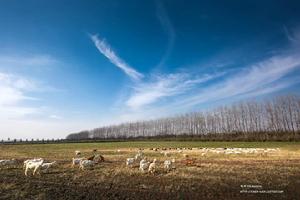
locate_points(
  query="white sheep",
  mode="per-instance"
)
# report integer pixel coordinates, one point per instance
(139, 155)
(76, 161)
(46, 166)
(86, 163)
(144, 164)
(169, 164)
(8, 162)
(77, 153)
(33, 165)
(152, 166)
(33, 160)
(130, 161)
(166, 154)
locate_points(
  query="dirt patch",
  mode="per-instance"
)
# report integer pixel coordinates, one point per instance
(195, 177)
(109, 181)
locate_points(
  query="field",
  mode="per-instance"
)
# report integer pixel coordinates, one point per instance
(213, 176)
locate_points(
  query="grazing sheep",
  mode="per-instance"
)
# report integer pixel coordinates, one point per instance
(34, 160)
(77, 153)
(144, 164)
(46, 166)
(8, 162)
(229, 152)
(76, 161)
(91, 157)
(152, 166)
(130, 161)
(86, 163)
(98, 158)
(33, 165)
(139, 155)
(169, 164)
(166, 154)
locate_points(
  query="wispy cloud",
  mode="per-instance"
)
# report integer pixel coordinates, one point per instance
(12, 89)
(17, 112)
(292, 35)
(106, 50)
(186, 93)
(17, 92)
(26, 61)
(260, 78)
(165, 86)
(168, 28)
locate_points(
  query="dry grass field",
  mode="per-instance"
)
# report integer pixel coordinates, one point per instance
(273, 175)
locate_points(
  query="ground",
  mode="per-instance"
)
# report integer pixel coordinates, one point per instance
(213, 176)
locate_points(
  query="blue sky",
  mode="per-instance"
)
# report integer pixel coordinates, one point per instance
(67, 66)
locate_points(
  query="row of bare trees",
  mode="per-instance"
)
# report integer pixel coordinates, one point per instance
(280, 115)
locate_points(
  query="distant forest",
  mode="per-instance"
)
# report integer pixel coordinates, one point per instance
(276, 119)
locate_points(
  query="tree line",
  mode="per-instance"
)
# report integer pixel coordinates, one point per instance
(275, 119)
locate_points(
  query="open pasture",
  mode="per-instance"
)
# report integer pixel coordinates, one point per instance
(202, 170)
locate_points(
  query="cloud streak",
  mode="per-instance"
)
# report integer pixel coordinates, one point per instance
(261, 78)
(162, 86)
(168, 28)
(13, 91)
(106, 50)
(27, 61)
(186, 93)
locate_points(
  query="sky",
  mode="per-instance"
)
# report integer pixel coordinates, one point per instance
(67, 66)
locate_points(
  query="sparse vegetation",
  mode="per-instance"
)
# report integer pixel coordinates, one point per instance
(213, 176)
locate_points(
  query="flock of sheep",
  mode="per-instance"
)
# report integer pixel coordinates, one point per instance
(38, 164)
(145, 165)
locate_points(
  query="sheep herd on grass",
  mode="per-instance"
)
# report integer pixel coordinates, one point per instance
(145, 165)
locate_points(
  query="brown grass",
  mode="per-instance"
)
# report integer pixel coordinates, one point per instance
(214, 176)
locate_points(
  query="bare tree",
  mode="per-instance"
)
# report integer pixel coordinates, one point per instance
(280, 115)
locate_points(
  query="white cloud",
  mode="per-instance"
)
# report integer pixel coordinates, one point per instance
(13, 88)
(9, 61)
(17, 112)
(15, 92)
(256, 79)
(164, 86)
(105, 49)
(186, 94)
(168, 28)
